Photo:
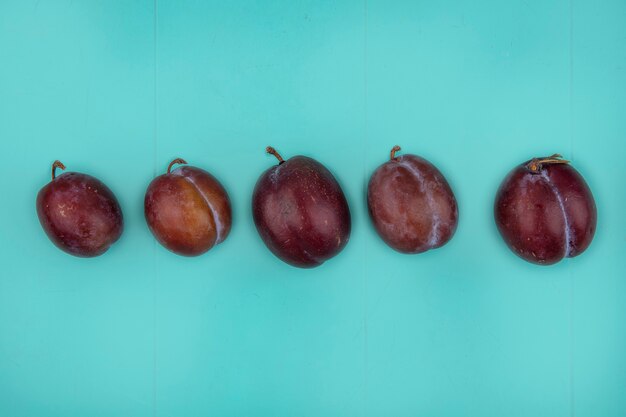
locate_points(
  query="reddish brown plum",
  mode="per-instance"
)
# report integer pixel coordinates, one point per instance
(80, 214)
(187, 210)
(411, 204)
(545, 212)
(300, 211)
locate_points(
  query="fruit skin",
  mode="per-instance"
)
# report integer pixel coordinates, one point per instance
(301, 212)
(187, 210)
(411, 204)
(545, 211)
(80, 214)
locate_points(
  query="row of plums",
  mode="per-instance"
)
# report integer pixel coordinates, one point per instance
(544, 210)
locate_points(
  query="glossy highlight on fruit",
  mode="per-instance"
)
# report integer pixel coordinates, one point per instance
(80, 214)
(300, 211)
(411, 205)
(545, 211)
(187, 210)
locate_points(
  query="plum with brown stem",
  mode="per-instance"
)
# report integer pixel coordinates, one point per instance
(300, 211)
(80, 214)
(545, 211)
(411, 205)
(187, 210)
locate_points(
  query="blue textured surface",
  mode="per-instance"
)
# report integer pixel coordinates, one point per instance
(117, 89)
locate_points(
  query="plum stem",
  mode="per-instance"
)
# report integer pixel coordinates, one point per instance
(56, 164)
(392, 154)
(175, 161)
(536, 164)
(272, 151)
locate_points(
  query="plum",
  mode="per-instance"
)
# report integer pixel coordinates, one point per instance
(80, 214)
(545, 211)
(300, 211)
(411, 204)
(187, 210)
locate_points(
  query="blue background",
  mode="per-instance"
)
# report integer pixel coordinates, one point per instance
(117, 89)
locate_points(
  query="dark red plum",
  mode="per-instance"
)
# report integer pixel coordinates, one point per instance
(300, 211)
(187, 210)
(545, 211)
(411, 205)
(80, 214)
